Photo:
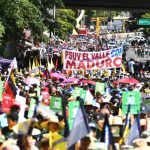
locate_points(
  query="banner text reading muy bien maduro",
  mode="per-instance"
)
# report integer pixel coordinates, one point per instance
(75, 60)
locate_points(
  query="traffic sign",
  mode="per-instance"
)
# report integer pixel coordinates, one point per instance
(144, 22)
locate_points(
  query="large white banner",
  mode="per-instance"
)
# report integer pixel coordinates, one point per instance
(75, 60)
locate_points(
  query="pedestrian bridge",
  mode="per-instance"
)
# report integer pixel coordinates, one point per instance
(129, 5)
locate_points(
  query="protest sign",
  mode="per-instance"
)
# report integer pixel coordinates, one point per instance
(83, 94)
(7, 101)
(31, 108)
(132, 98)
(38, 91)
(76, 60)
(56, 104)
(73, 108)
(100, 87)
(77, 92)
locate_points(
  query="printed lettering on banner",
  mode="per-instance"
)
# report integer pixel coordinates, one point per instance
(75, 60)
(7, 101)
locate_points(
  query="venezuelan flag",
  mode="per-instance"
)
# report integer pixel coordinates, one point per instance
(10, 85)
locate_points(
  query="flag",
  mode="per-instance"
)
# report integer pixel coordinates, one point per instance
(107, 136)
(126, 127)
(80, 127)
(33, 64)
(123, 69)
(14, 64)
(10, 85)
(40, 63)
(30, 68)
(115, 70)
(36, 62)
(56, 64)
(62, 57)
(135, 131)
(50, 66)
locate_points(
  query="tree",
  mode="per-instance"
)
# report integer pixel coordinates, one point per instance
(16, 16)
(46, 7)
(89, 14)
(19, 14)
(65, 22)
(132, 24)
(146, 28)
(2, 31)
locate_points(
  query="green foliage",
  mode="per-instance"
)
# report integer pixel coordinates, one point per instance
(45, 6)
(44, 39)
(19, 14)
(89, 14)
(132, 24)
(2, 31)
(147, 28)
(65, 22)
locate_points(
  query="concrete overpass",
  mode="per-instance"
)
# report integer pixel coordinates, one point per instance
(129, 5)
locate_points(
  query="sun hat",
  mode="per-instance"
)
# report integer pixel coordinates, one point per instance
(50, 119)
(127, 147)
(98, 146)
(139, 142)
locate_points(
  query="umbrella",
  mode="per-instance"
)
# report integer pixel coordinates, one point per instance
(71, 80)
(88, 81)
(127, 80)
(58, 75)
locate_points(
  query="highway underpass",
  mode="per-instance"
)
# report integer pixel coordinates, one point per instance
(129, 5)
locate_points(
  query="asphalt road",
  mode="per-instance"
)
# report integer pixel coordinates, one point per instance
(131, 54)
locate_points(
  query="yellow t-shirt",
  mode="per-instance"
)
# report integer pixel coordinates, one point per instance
(53, 137)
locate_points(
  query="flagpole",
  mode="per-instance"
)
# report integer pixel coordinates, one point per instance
(66, 132)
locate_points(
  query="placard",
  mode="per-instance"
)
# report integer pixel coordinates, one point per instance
(56, 104)
(100, 87)
(132, 98)
(31, 108)
(7, 101)
(77, 92)
(73, 108)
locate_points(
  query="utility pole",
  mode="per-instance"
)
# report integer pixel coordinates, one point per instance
(97, 26)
